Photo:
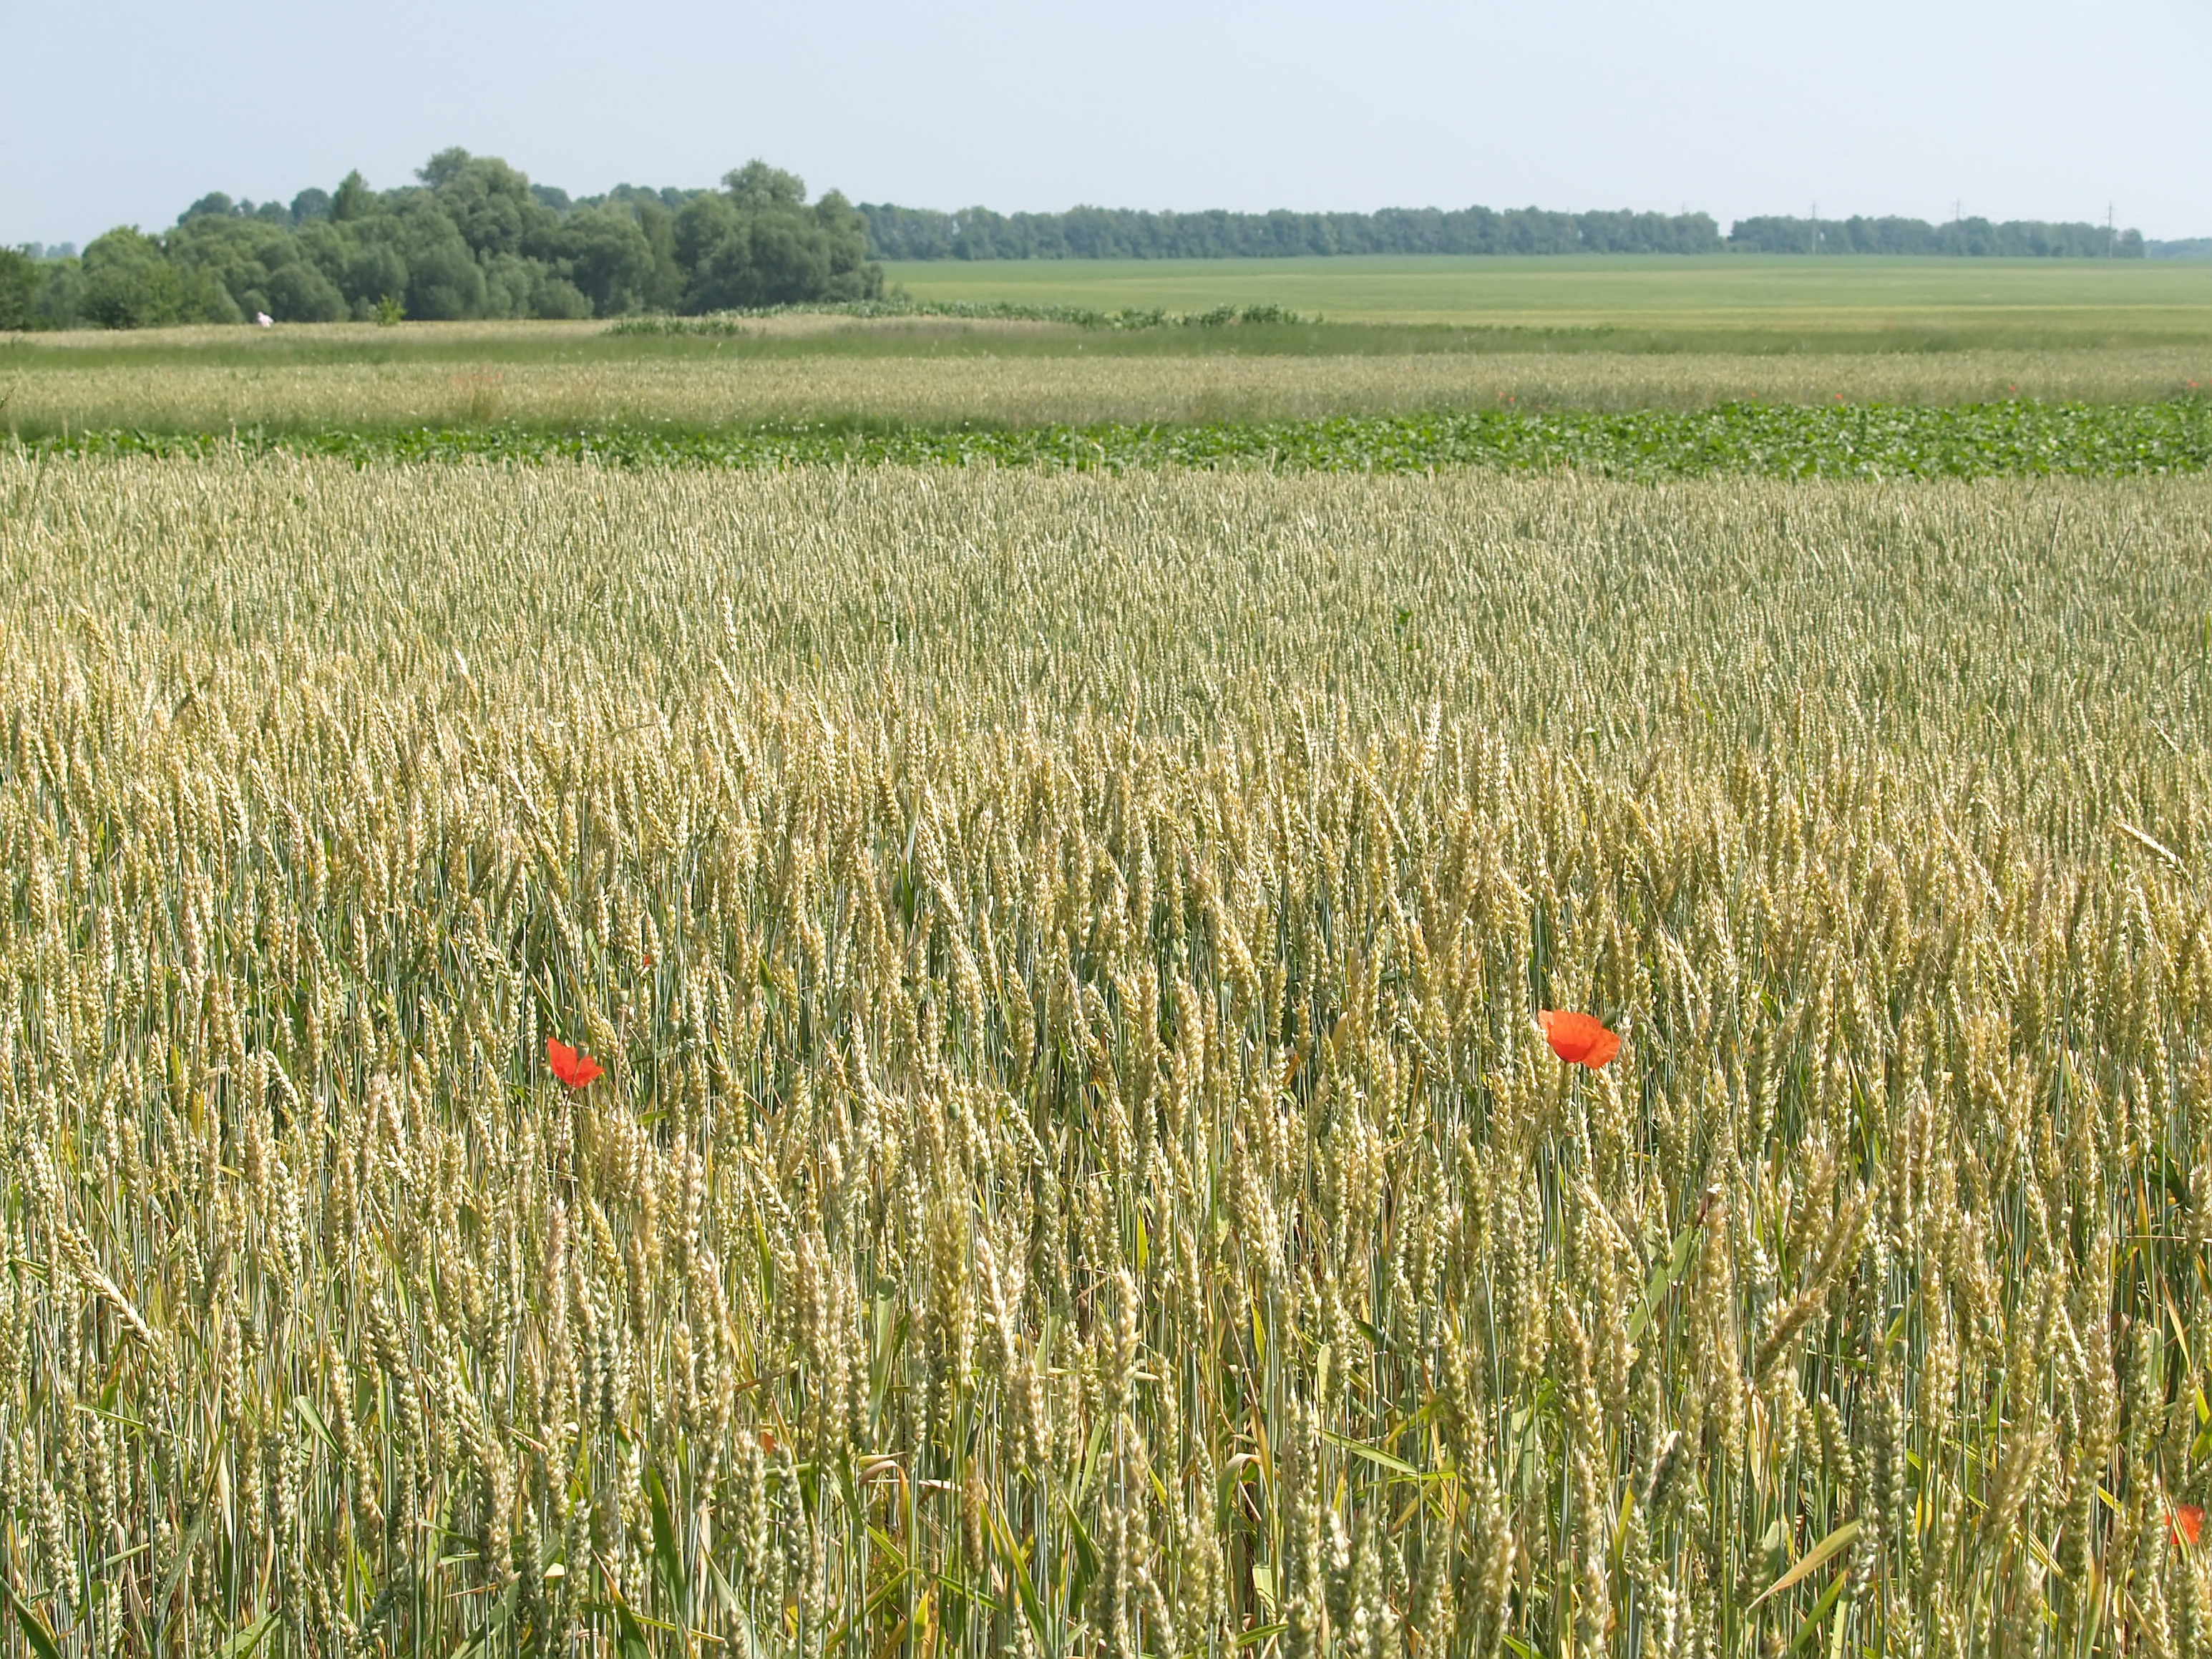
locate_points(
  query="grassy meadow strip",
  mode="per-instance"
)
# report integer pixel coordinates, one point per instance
(1845, 441)
(1863, 303)
(1076, 1171)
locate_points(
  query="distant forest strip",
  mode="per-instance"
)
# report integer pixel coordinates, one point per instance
(1090, 233)
(1859, 441)
(474, 238)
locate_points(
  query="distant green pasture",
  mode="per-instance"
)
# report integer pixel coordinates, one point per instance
(1842, 301)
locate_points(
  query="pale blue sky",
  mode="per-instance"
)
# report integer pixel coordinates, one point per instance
(2037, 109)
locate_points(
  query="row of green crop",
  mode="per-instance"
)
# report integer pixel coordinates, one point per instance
(1859, 440)
(742, 321)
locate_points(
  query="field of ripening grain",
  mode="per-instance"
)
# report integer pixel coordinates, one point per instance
(1073, 1167)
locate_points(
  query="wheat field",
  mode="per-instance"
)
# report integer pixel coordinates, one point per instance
(47, 392)
(1075, 1170)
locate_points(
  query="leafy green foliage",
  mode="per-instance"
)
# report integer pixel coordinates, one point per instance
(1857, 440)
(473, 239)
(354, 200)
(18, 288)
(259, 264)
(735, 320)
(129, 283)
(611, 261)
(2015, 239)
(757, 243)
(444, 281)
(1092, 233)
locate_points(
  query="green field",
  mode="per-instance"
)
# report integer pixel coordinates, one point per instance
(1984, 301)
(1838, 440)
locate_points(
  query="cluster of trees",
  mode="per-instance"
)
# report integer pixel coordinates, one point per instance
(1089, 232)
(474, 238)
(2015, 238)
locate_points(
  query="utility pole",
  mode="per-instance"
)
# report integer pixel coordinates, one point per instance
(1816, 226)
(2108, 230)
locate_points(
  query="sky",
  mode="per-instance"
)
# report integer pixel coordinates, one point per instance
(2044, 109)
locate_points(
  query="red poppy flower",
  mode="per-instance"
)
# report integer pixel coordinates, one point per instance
(1578, 1039)
(575, 1070)
(2187, 1524)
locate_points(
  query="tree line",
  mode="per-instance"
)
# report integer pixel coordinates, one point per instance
(472, 238)
(2013, 239)
(1090, 233)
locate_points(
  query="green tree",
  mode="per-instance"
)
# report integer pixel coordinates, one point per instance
(665, 291)
(443, 280)
(300, 293)
(608, 258)
(757, 185)
(214, 204)
(359, 273)
(354, 199)
(552, 294)
(507, 278)
(239, 253)
(473, 238)
(60, 300)
(18, 288)
(489, 203)
(129, 283)
(757, 243)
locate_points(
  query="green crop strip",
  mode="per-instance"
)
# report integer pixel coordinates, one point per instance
(1852, 440)
(742, 321)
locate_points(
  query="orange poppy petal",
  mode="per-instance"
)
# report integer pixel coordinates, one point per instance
(1579, 1039)
(2188, 1523)
(572, 1068)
